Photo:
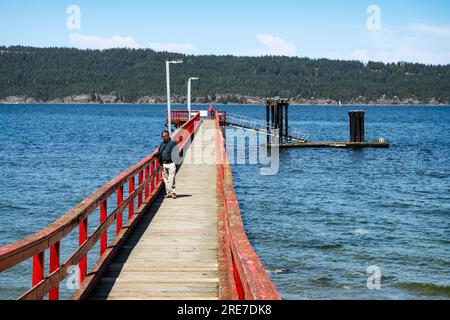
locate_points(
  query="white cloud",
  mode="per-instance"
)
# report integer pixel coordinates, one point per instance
(442, 31)
(84, 41)
(403, 53)
(362, 55)
(187, 48)
(414, 43)
(275, 46)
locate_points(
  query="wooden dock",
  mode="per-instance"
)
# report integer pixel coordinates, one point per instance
(173, 253)
(193, 248)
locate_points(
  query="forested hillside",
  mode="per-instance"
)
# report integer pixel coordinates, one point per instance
(47, 74)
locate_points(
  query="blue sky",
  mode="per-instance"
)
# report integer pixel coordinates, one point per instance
(407, 30)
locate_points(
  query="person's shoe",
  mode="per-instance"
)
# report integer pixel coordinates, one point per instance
(174, 196)
(167, 195)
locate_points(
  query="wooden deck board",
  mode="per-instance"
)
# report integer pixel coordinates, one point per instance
(173, 252)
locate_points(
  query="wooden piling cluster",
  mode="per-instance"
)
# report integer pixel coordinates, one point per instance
(277, 122)
(277, 119)
(357, 126)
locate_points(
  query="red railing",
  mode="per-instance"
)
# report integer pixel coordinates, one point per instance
(179, 117)
(222, 117)
(149, 185)
(241, 273)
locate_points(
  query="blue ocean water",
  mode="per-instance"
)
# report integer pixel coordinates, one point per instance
(327, 216)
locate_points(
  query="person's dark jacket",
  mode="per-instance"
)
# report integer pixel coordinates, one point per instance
(165, 151)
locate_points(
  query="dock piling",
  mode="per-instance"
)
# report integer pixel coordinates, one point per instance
(286, 122)
(357, 126)
(277, 119)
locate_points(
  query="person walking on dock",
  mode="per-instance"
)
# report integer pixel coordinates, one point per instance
(164, 155)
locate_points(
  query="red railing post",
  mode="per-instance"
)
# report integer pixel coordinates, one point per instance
(104, 237)
(38, 269)
(147, 187)
(54, 265)
(119, 217)
(152, 171)
(131, 205)
(141, 181)
(83, 231)
(158, 174)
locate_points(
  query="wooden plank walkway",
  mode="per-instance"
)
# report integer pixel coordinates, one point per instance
(173, 253)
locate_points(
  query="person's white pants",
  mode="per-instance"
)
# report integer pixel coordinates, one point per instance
(169, 171)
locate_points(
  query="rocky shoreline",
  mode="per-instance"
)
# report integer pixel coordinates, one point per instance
(222, 100)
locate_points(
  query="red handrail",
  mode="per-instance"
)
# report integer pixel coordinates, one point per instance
(222, 117)
(51, 237)
(241, 273)
(179, 117)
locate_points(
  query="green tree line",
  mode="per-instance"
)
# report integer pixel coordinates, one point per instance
(51, 73)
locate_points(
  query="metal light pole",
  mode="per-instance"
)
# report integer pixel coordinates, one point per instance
(189, 95)
(169, 111)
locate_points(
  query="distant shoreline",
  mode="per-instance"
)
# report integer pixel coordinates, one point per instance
(233, 104)
(233, 99)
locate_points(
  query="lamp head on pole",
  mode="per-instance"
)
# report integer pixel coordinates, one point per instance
(175, 61)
